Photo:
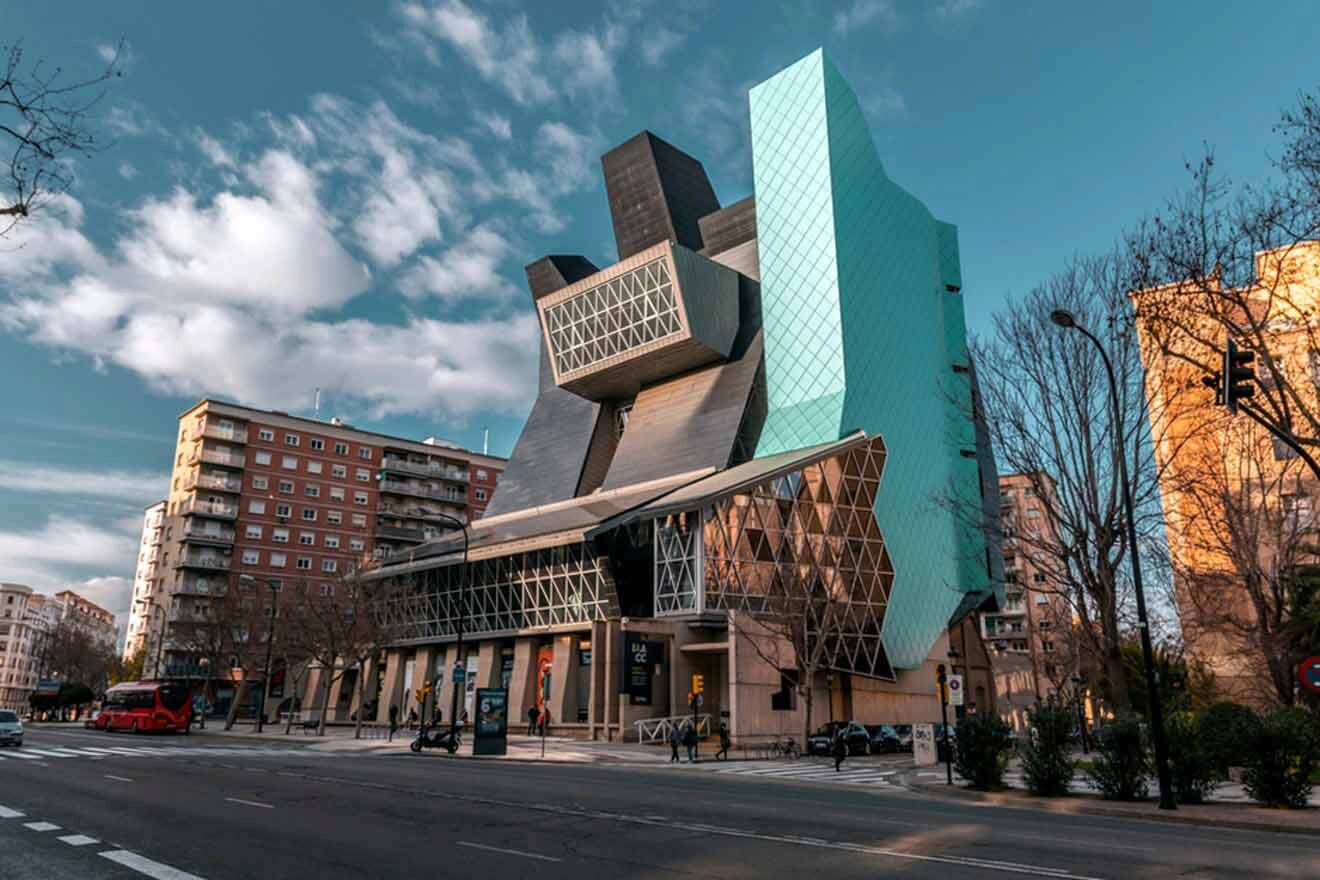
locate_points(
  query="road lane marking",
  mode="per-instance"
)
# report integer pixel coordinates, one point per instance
(144, 865)
(118, 778)
(251, 803)
(78, 840)
(41, 826)
(46, 753)
(26, 757)
(511, 852)
(6, 813)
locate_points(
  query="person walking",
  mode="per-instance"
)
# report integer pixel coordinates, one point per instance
(690, 740)
(531, 720)
(394, 722)
(675, 736)
(724, 743)
(840, 748)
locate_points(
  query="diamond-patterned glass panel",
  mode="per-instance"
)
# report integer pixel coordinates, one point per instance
(635, 309)
(805, 541)
(677, 561)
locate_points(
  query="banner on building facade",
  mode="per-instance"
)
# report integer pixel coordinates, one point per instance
(640, 657)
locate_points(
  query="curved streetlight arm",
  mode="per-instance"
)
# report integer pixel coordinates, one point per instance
(1167, 801)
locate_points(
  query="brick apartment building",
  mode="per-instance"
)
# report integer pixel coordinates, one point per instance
(276, 498)
(26, 620)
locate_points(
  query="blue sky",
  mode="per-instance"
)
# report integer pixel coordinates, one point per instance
(343, 195)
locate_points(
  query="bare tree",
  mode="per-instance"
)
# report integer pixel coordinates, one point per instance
(44, 122)
(338, 628)
(70, 650)
(1046, 400)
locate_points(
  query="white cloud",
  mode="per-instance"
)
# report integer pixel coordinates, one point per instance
(137, 486)
(955, 14)
(494, 123)
(215, 151)
(50, 557)
(127, 170)
(508, 56)
(107, 52)
(586, 59)
(467, 270)
(657, 42)
(865, 13)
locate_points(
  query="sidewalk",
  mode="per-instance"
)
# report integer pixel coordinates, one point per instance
(1231, 811)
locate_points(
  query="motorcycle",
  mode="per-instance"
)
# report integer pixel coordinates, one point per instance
(447, 738)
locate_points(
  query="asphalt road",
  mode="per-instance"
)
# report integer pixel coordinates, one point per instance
(291, 813)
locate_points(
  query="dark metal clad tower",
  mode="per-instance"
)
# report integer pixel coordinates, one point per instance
(656, 193)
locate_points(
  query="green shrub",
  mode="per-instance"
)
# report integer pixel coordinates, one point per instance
(1046, 760)
(1121, 763)
(1189, 762)
(1280, 759)
(1225, 732)
(984, 744)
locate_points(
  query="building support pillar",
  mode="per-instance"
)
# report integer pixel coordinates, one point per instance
(391, 694)
(522, 686)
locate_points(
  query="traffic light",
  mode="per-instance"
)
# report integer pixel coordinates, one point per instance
(1239, 377)
(698, 684)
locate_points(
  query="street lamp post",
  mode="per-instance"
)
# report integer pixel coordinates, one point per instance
(1066, 320)
(455, 522)
(205, 663)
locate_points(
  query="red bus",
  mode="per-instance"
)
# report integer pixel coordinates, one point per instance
(143, 706)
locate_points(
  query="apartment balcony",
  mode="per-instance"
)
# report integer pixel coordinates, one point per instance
(206, 561)
(427, 514)
(213, 481)
(215, 537)
(399, 533)
(417, 490)
(216, 457)
(213, 509)
(205, 587)
(430, 469)
(215, 432)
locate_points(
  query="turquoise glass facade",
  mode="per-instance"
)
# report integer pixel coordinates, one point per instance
(863, 329)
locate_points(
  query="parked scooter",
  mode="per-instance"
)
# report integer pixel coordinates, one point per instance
(447, 738)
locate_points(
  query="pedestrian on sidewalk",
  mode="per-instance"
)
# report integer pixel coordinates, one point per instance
(412, 719)
(674, 737)
(531, 720)
(394, 722)
(840, 748)
(724, 743)
(690, 740)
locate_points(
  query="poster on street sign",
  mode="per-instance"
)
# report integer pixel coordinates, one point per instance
(1309, 673)
(955, 690)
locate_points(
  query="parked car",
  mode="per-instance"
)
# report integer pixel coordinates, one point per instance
(884, 739)
(11, 728)
(941, 752)
(904, 733)
(822, 741)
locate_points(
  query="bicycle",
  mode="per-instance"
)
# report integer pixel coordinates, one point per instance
(787, 749)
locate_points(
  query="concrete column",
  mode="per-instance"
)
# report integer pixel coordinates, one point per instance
(522, 686)
(370, 671)
(599, 686)
(313, 691)
(563, 676)
(446, 689)
(488, 664)
(392, 693)
(423, 674)
(610, 699)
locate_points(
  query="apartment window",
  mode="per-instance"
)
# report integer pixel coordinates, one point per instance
(262, 457)
(338, 470)
(363, 475)
(256, 507)
(309, 514)
(284, 510)
(482, 475)
(336, 493)
(1038, 578)
(291, 440)
(360, 498)
(1047, 647)
(278, 560)
(289, 463)
(280, 536)
(329, 565)
(318, 444)
(313, 467)
(332, 541)
(266, 434)
(357, 544)
(341, 449)
(312, 491)
(254, 532)
(286, 487)
(360, 520)
(307, 539)
(251, 557)
(1042, 600)
(260, 483)
(304, 563)
(480, 494)
(364, 453)
(334, 517)
(327, 589)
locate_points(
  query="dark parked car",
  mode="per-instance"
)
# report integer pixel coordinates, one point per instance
(822, 741)
(884, 739)
(11, 728)
(941, 752)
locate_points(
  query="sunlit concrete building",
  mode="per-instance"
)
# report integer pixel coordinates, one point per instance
(753, 426)
(144, 610)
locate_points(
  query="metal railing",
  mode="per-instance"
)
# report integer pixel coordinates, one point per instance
(402, 488)
(215, 432)
(205, 560)
(424, 469)
(210, 508)
(211, 456)
(658, 730)
(212, 481)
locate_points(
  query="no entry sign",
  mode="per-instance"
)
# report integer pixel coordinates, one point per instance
(1309, 673)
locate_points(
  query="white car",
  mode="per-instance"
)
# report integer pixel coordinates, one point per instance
(11, 728)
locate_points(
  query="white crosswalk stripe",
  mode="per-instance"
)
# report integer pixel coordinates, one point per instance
(99, 753)
(806, 771)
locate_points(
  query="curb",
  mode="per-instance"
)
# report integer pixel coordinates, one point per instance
(1078, 806)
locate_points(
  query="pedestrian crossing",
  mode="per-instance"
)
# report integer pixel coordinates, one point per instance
(1225, 792)
(47, 753)
(807, 770)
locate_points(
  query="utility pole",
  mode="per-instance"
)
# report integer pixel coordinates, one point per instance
(942, 678)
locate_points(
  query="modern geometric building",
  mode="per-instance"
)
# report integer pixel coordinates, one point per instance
(756, 426)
